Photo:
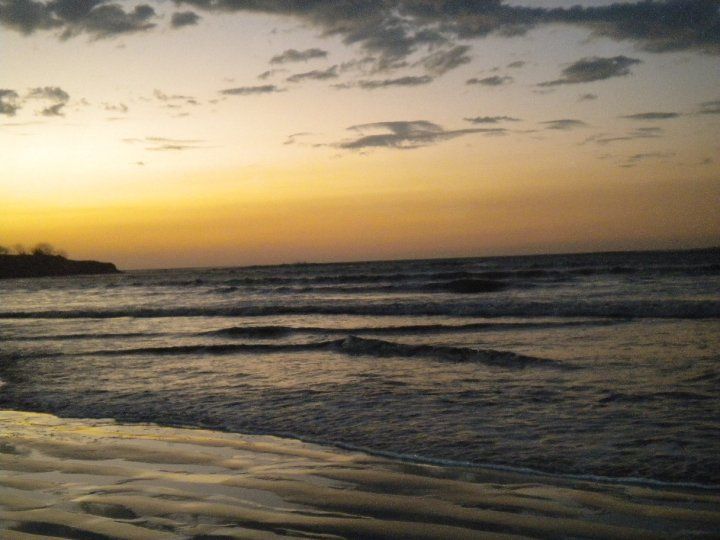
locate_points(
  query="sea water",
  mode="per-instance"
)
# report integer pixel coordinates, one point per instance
(588, 365)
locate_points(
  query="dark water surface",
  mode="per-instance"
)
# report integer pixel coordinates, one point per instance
(597, 364)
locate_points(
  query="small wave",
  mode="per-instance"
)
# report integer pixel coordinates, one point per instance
(354, 345)
(351, 346)
(271, 332)
(258, 332)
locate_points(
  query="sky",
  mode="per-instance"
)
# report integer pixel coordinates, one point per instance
(234, 132)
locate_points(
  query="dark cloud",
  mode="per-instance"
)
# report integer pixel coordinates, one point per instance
(394, 29)
(251, 90)
(442, 61)
(109, 20)
(184, 18)
(315, 75)
(374, 84)
(405, 135)
(710, 107)
(56, 95)
(517, 64)
(587, 97)
(491, 119)
(564, 124)
(652, 116)
(98, 18)
(594, 68)
(495, 80)
(293, 55)
(8, 102)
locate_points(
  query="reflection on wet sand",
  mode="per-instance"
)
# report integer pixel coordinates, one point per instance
(98, 479)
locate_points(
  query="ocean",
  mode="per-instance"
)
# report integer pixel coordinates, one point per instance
(589, 365)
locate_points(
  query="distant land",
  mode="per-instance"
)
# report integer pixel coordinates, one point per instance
(43, 265)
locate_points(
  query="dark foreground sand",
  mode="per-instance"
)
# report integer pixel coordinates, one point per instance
(97, 479)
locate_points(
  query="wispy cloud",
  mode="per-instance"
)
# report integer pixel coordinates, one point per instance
(594, 69)
(639, 133)
(491, 119)
(293, 55)
(440, 62)
(405, 135)
(652, 116)
(564, 124)
(252, 90)
(315, 75)
(374, 84)
(633, 160)
(495, 80)
(167, 144)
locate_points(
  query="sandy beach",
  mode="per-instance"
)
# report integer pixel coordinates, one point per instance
(100, 479)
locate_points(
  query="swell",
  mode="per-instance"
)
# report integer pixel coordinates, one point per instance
(273, 332)
(351, 346)
(554, 273)
(662, 309)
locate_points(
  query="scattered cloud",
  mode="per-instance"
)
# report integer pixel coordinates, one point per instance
(173, 101)
(57, 97)
(252, 90)
(652, 116)
(8, 102)
(495, 80)
(587, 97)
(119, 107)
(315, 75)
(405, 135)
(491, 119)
(184, 18)
(564, 124)
(516, 65)
(440, 62)
(374, 84)
(293, 55)
(594, 68)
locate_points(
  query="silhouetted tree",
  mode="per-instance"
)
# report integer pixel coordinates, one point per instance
(20, 249)
(43, 248)
(4, 250)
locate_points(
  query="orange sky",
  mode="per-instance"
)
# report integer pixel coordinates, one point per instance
(154, 146)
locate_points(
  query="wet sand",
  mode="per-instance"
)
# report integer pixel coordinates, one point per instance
(98, 479)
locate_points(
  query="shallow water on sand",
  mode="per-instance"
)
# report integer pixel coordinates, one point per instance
(601, 364)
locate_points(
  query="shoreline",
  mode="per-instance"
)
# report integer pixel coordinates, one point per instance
(85, 476)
